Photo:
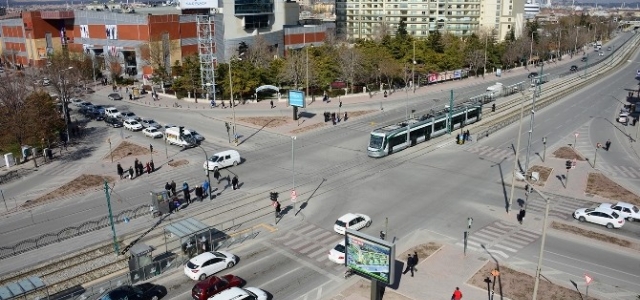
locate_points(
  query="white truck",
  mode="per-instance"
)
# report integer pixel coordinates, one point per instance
(495, 90)
(184, 140)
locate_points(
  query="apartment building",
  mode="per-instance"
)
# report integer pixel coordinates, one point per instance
(500, 16)
(366, 19)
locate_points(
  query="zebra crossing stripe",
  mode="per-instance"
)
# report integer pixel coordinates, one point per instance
(476, 244)
(294, 241)
(481, 236)
(477, 149)
(496, 230)
(529, 234)
(302, 244)
(486, 232)
(513, 239)
(306, 229)
(309, 248)
(505, 248)
(319, 236)
(318, 252)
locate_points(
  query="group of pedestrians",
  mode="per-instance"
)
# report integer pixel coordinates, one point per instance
(136, 170)
(412, 262)
(233, 181)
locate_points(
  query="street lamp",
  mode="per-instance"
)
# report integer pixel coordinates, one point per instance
(233, 105)
(544, 236)
(64, 100)
(206, 170)
(293, 170)
(515, 162)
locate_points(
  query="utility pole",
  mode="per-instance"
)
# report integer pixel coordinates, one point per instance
(413, 70)
(544, 152)
(293, 171)
(544, 236)
(113, 226)
(515, 162)
(486, 40)
(449, 125)
(531, 123)
(531, 48)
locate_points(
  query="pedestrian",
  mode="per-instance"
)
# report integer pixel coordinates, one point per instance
(607, 145)
(457, 294)
(409, 266)
(176, 203)
(148, 168)
(468, 135)
(185, 190)
(271, 102)
(213, 103)
(130, 97)
(135, 165)
(153, 167)
(234, 182)
(167, 187)
(173, 188)
(120, 171)
(415, 261)
(216, 175)
(130, 172)
(198, 191)
(126, 90)
(205, 188)
(64, 143)
(493, 107)
(278, 209)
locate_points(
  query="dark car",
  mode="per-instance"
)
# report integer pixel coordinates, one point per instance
(533, 74)
(113, 122)
(573, 68)
(115, 96)
(144, 291)
(213, 285)
(584, 58)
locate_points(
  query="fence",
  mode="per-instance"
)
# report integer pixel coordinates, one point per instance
(69, 232)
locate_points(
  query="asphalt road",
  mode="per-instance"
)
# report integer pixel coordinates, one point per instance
(413, 189)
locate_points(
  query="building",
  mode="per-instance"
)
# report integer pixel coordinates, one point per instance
(366, 19)
(127, 34)
(500, 16)
(531, 9)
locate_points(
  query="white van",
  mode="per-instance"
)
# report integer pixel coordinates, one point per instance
(495, 90)
(172, 135)
(112, 112)
(222, 160)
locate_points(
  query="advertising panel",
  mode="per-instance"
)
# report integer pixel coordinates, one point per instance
(457, 74)
(433, 77)
(296, 98)
(369, 256)
(198, 4)
(111, 32)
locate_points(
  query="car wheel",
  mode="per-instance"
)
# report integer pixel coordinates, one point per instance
(230, 265)
(368, 224)
(203, 276)
(235, 163)
(610, 226)
(630, 219)
(582, 219)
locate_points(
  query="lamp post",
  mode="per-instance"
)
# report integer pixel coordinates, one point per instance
(233, 105)
(206, 171)
(64, 101)
(413, 69)
(515, 162)
(486, 40)
(544, 236)
(293, 170)
(575, 47)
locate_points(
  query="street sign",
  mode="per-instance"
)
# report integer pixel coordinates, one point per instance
(576, 134)
(598, 145)
(587, 279)
(294, 196)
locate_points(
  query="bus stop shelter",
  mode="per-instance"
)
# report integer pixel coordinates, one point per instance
(24, 289)
(193, 236)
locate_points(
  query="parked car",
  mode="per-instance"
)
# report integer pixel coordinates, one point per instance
(205, 289)
(144, 291)
(573, 68)
(99, 108)
(149, 123)
(114, 96)
(624, 209)
(133, 125)
(599, 215)
(209, 263)
(601, 53)
(236, 293)
(196, 135)
(337, 254)
(46, 81)
(152, 132)
(351, 221)
(583, 59)
(126, 115)
(532, 75)
(113, 122)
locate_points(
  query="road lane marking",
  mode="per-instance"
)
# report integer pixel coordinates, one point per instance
(505, 248)
(281, 276)
(303, 262)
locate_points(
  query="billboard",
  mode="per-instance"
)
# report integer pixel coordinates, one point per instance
(189, 4)
(369, 256)
(296, 98)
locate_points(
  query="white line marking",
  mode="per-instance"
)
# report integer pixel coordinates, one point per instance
(281, 276)
(505, 248)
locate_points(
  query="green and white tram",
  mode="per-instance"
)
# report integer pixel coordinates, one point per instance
(393, 138)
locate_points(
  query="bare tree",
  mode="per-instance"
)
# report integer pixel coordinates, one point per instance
(260, 53)
(294, 67)
(351, 67)
(114, 66)
(389, 69)
(157, 54)
(381, 30)
(13, 111)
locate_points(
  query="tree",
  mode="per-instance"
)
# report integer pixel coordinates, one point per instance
(189, 80)
(260, 53)
(294, 69)
(40, 106)
(114, 66)
(13, 111)
(402, 29)
(475, 59)
(350, 62)
(157, 54)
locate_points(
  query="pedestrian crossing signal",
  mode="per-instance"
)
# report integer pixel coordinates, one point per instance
(568, 164)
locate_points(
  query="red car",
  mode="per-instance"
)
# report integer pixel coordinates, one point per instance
(213, 285)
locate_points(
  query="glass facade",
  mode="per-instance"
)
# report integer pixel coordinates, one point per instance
(253, 7)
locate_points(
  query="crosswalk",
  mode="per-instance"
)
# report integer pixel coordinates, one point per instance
(561, 207)
(492, 152)
(500, 238)
(620, 171)
(311, 243)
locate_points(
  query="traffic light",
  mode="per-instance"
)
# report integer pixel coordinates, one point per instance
(274, 196)
(226, 124)
(568, 164)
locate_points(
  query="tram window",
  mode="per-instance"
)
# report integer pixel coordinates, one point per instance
(397, 140)
(439, 125)
(472, 113)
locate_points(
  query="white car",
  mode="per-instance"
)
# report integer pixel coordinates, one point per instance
(209, 263)
(77, 102)
(237, 293)
(599, 215)
(624, 209)
(601, 53)
(337, 254)
(149, 123)
(152, 132)
(129, 115)
(351, 221)
(132, 125)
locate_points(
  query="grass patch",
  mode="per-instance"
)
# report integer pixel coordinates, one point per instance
(177, 163)
(77, 185)
(544, 172)
(125, 149)
(268, 122)
(567, 153)
(594, 235)
(519, 286)
(598, 184)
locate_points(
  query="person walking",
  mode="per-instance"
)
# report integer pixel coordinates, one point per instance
(173, 188)
(198, 192)
(205, 188)
(153, 167)
(271, 102)
(167, 187)
(234, 182)
(409, 266)
(185, 190)
(415, 261)
(120, 171)
(130, 172)
(278, 209)
(607, 145)
(135, 165)
(457, 294)
(216, 175)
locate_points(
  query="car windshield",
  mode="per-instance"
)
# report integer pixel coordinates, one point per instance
(615, 215)
(376, 141)
(339, 248)
(213, 158)
(218, 254)
(588, 210)
(191, 265)
(340, 223)
(150, 121)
